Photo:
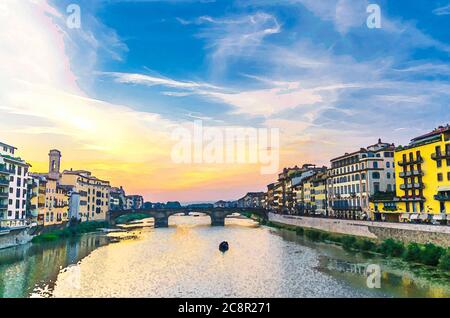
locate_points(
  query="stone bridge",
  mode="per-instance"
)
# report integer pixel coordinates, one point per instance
(161, 216)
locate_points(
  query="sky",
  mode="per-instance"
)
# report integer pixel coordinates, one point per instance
(110, 94)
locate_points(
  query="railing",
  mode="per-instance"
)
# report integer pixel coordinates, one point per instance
(4, 195)
(416, 185)
(3, 206)
(410, 161)
(3, 169)
(403, 174)
(442, 197)
(439, 155)
(4, 182)
(409, 198)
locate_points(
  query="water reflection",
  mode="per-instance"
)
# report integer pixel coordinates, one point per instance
(31, 266)
(184, 261)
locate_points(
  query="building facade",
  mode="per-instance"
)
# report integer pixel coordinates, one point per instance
(93, 192)
(15, 170)
(117, 199)
(423, 180)
(355, 177)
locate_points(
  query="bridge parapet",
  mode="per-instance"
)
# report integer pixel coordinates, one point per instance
(161, 216)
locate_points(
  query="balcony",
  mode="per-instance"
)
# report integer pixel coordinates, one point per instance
(4, 182)
(409, 199)
(3, 207)
(4, 195)
(440, 156)
(406, 174)
(416, 185)
(410, 162)
(442, 197)
(4, 170)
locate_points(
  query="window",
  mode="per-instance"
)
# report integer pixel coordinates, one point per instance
(375, 165)
(388, 164)
(388, 175)
(439, 177)
(448, 176)
(376, 187)
(439, 163)
(376, 175)
(389, 188)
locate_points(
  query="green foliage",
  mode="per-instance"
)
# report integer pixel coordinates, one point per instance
(365, 245)
(428, 254)
(71, 231)
(431, 254)
(312, 234)
(444, 261)
(391, 247)
(412, 253)
(348, 242)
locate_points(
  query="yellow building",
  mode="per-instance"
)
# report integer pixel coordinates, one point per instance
(422, 174)
(94, 194)
(319, 193)
(56, 204)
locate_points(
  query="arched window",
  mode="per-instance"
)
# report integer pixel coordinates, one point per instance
(388, 164)
(388, 175)
(375, 165)
(376, 175)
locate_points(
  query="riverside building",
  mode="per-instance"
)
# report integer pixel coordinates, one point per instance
(93, 194)
(423, 180)
(14, 181)
(355, 177)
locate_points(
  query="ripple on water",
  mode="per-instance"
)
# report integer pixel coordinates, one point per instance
(184, 261)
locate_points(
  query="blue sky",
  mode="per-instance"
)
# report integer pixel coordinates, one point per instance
(311, 68)
(394, 76)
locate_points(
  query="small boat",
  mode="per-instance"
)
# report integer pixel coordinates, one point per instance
(223, 247)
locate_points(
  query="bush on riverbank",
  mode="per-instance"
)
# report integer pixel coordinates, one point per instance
(427, 254)
(431, 254)
(392, 248)
(73, 230)
(444, 261)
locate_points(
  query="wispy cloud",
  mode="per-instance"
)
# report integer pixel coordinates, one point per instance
(445, 10)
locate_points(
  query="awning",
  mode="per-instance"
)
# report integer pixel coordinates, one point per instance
(404, 216)
(439, 217)
(424, 216)
(414, 216)
(443, 188)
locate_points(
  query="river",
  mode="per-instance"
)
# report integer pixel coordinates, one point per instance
(184, 261)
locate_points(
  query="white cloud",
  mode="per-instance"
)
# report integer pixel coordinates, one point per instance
(445, 10)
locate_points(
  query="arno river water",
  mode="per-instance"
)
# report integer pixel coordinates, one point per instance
(184, 261)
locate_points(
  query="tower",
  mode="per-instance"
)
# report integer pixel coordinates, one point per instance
(54, 161)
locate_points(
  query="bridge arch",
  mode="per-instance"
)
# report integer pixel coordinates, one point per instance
(161, 216)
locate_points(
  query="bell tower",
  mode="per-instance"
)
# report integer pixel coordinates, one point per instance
(54, 161)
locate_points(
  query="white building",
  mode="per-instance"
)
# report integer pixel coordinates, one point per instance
(355, 177)
(16, 170)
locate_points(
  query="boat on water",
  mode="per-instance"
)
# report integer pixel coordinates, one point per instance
(223, 247)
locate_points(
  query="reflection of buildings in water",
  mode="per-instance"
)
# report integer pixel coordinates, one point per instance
(22, 267)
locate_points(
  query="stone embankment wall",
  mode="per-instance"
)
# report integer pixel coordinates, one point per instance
(375, 230)
(16, 237)
(24, 236)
